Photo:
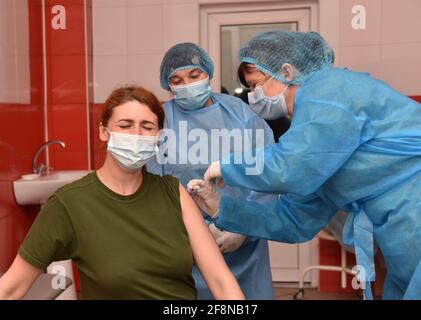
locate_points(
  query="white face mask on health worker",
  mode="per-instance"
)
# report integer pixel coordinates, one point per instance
(132, 151)
(268, 108)
(192, 96)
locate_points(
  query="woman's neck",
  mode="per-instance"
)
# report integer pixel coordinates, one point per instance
(290, 98)
(209, 102)
(118, 180)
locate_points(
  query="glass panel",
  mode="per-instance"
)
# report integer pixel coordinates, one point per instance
(232, 38)
(14, 52)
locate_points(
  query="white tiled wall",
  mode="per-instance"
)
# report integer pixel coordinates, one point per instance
(131, 37)
(110, 30)
(401, 67)
(181, 23)
(362, 58)
(371, 35)
(14, 52)
(389, 48)
(142, 21)
(401, 22)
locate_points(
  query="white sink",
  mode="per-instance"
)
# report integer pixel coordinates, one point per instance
(35, 189)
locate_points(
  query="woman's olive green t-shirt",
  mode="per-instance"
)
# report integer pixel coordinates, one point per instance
(125, 247)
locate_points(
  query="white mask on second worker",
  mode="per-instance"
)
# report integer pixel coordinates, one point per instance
(268, 108)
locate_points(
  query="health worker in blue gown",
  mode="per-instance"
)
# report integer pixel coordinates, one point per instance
(202, 124)
(354, 145)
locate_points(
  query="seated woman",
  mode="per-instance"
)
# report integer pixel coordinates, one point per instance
(132, 234)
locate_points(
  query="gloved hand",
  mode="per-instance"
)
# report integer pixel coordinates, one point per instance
(226, 241)
(205, 197)
(213, 175)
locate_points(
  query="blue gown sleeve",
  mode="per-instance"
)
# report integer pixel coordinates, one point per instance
(322, 137)
(291, 219)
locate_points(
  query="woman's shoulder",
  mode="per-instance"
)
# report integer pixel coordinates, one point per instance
(165, 188)
(234, 105)
(76, 186)
(167, 183)
(68, 194)
(162, 179)
(226, 98)
(334, 81)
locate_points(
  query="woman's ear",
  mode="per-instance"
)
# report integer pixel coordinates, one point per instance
(288, 71)
(104, 136)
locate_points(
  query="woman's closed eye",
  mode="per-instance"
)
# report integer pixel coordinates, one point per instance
(175, 81)
(149, 128)
(195, 75)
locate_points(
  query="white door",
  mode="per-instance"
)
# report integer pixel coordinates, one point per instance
(288, 261)
(223, 31)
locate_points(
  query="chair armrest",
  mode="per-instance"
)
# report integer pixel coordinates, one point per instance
(42, 288)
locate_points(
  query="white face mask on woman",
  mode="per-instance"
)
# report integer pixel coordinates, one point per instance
(131, 151)
(269, 108)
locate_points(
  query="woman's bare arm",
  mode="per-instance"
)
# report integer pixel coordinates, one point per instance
(16, 282)
(220, 280)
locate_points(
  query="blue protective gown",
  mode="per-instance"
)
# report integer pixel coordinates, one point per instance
(355, 145)
(250, 263)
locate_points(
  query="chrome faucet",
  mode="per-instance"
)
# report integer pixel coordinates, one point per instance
(41, 168)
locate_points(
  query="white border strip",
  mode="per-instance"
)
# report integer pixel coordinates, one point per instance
(45, 98)
(88, 126)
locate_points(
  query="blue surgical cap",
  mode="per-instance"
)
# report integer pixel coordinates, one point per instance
(184, 56)
(305, 51)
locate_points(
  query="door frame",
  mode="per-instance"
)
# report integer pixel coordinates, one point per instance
(212, 17)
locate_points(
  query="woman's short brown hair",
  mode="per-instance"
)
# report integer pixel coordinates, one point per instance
(242, 70)
(132, 93)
